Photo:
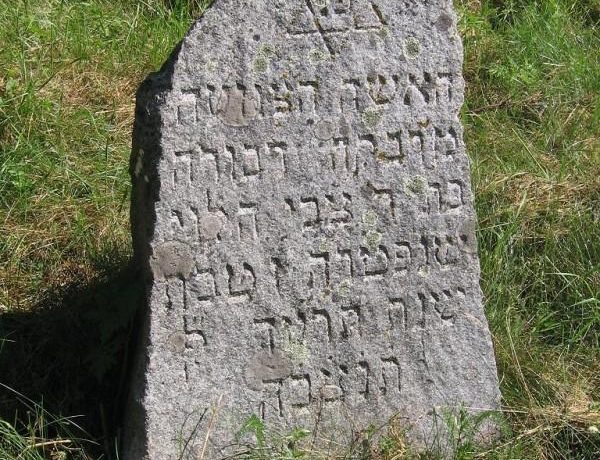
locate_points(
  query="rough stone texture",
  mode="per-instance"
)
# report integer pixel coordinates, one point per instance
(303, 213)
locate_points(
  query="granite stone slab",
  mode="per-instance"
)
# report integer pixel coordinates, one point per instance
(303, 216)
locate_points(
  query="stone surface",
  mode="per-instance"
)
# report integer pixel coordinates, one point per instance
(303, 214)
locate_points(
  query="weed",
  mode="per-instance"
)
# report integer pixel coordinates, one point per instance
(41, 435)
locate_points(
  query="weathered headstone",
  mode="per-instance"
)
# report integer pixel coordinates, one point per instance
(303, 213)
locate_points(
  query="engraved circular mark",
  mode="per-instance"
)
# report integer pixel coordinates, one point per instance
(176, 342)
(324, 130)
(444, 22)
(172, 259)
(412, 47)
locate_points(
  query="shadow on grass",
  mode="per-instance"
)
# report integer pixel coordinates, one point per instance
(70, 355)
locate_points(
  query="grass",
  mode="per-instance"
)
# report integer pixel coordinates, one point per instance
(533, 128)
(40, 435)
(68, 73)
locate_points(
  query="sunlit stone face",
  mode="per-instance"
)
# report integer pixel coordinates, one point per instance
(303, 213)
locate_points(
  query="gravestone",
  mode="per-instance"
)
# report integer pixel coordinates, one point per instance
(303, 215)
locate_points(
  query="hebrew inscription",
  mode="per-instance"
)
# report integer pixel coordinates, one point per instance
(303, 216)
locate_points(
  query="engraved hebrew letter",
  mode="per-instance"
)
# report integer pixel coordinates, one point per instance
(186, 111)
(265, 333)
(311, 214)
(296, 391)
(368, 15)
(308, 97)
(203, 285)
(397, 314)
(237, 105)
(248, 230)
(390, 373)
(242, 280)
(319, 326)
(319, 274)
(375, 263)
(382, 88)
(182, 172)
(355, 381)
(351, 322)
(403, 257)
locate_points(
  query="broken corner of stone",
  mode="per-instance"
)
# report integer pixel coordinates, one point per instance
(303, 215)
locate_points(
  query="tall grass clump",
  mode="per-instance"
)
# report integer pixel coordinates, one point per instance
(40, 435)
(533, 131)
